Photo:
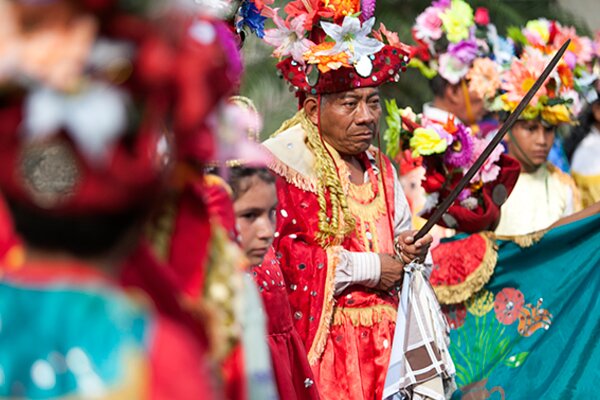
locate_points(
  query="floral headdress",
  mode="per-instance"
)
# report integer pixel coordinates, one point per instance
(559, 99)
(448, 151)
(330, 46)
(457, 43)
(85, 98)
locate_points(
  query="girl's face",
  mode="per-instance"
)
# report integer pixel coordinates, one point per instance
(255, 218)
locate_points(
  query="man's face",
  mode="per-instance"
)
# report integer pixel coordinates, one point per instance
(350, 119)
(533, 143)
(477, 109)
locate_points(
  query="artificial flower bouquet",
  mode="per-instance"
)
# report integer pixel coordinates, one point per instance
(448, 151)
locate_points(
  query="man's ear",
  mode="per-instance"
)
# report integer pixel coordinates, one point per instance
(311, 108)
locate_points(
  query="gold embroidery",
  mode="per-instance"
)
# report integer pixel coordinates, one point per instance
(524, 241)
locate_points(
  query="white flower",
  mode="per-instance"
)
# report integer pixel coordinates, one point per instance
(352, 38)
(452, 69)
(470, 203)
(289, 41)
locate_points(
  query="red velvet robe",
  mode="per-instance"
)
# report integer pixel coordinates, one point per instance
(349, 336)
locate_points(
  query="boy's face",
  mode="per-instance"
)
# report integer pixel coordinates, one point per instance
(530, 143)
(255, 218)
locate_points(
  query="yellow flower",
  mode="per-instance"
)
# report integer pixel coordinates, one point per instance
(530, 112)
(540, 28)
(426, 142)
(481, 303)
(457, 20)
(557, 114)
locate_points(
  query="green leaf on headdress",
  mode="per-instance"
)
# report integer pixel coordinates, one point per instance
(391, 136)
(516, 34)
(427, 72)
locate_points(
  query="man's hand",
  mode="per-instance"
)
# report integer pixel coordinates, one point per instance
(392, 271)
(409, 250)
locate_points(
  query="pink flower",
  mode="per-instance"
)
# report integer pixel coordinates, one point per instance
(489, 170)
(482, 16)
(429, 25)
(522, 75)
(580, 49)
(508, 305)
(289, 41)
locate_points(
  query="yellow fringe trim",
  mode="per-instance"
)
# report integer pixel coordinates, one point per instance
(524, 241)
(370, 211)
(452, 294)
(367, 316)
(292, 176)
(318, 344)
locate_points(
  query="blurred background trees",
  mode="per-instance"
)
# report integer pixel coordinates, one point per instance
(276, 103)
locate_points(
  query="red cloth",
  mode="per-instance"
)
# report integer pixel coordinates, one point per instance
(288, 354)
(182, 277)
(349, 361)
(456, 260)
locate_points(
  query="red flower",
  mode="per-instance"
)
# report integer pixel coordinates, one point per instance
(482, 16)
(433, 181)
(508, 304)
(311, 8)
(455, 314)
(421, 51)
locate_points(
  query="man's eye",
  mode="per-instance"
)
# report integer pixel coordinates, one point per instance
(350, 104)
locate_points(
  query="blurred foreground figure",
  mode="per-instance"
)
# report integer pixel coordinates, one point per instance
(83, 111)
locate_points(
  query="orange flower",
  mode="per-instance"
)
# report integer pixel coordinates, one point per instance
(484, 78)
(326, 63)
(450, 126)
(342, 8)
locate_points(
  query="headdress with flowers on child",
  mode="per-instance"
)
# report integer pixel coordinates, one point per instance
(559, 100)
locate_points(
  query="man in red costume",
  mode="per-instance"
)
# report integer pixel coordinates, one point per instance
(341, 208)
